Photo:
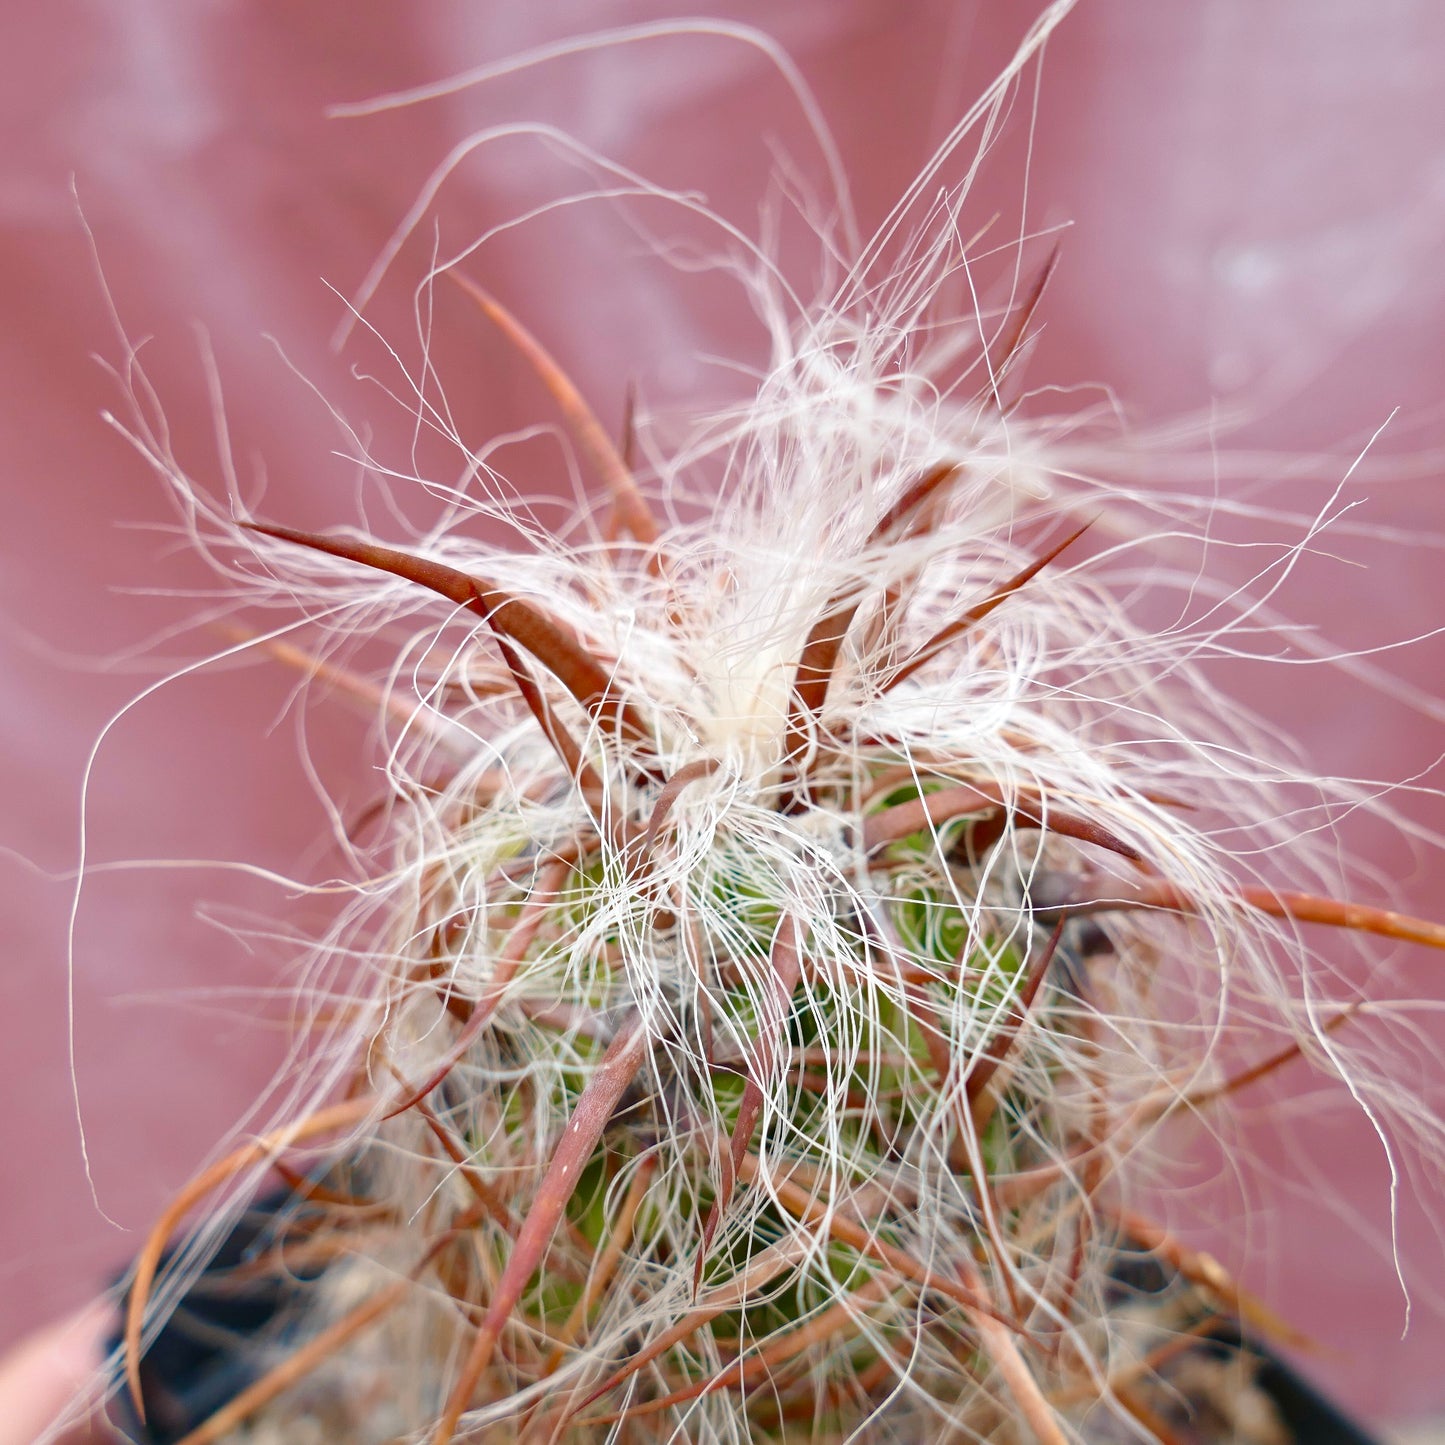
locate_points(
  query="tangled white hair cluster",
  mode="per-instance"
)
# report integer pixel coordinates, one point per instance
(793, 920)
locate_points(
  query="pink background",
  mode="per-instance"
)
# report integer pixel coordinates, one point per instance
(1258, 194)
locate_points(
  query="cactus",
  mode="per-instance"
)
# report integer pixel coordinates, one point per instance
(794, 928)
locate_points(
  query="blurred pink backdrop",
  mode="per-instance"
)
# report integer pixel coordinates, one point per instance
(1258, 199)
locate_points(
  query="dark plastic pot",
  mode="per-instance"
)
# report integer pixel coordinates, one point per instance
(1223, 1389)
